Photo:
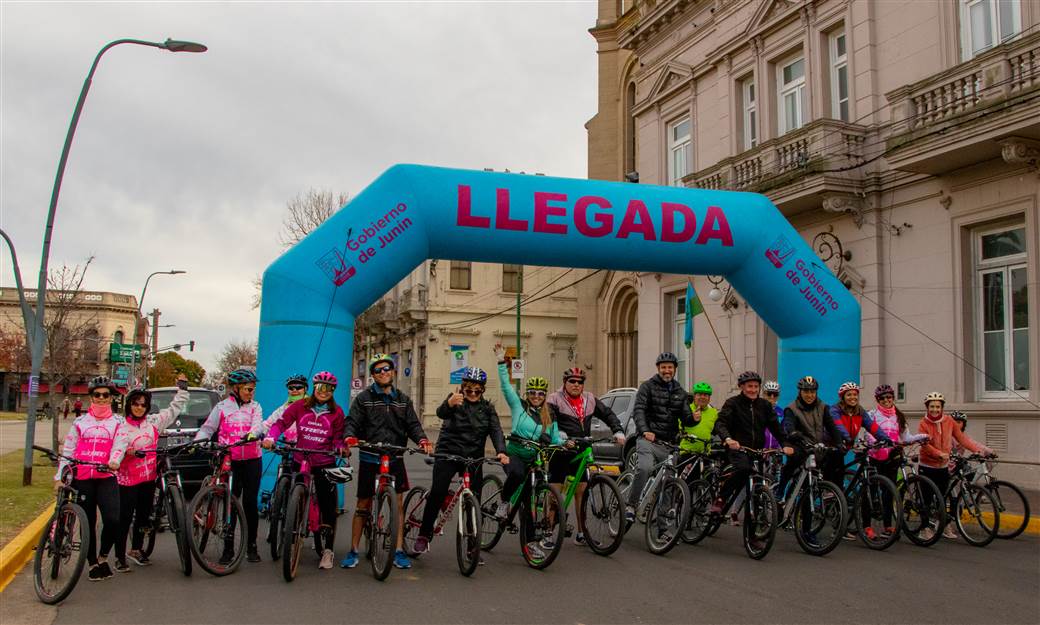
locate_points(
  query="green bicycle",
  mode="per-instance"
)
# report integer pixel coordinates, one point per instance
(601, 513)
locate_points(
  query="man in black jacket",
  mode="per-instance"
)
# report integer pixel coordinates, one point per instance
(808, 421)
(742, 422)
(660, 406)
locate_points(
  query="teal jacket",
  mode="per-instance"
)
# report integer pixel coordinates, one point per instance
(525, 424)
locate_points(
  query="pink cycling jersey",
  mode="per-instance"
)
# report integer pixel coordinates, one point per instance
(232, 421)
(93, 440)
(320, 431)
(143, 435)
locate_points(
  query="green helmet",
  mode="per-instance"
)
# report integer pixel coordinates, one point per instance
(702, 387)
(537, 383)
(378, 358)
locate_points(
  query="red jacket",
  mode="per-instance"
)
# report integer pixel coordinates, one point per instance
(941, 434)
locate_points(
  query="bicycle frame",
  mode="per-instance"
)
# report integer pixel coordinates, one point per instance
(807, 472)
(458, 488)
(584, 459)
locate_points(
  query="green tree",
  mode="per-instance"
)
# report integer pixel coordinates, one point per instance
(168, 364)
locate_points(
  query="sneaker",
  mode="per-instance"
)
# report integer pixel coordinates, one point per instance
(401, 560)
(227, 556)
(502, 511)
(547, 543)
(716, 507)
(122, 567)
(350, 561)
(812, 540)
(252, 555)
(422, 544)
(104, 570)
(579, 539)
(94, 574)
(889, 531)
(849, 536)
(950, 532)
(870, 534)
(630, 514)
(534, 551)
(138, 558)
(734, 519)
(326, 559)
(927, 534)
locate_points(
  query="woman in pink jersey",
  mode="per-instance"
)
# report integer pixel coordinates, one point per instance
(136, 476)
(92, 438)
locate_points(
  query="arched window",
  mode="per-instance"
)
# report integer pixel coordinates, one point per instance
(117, 337)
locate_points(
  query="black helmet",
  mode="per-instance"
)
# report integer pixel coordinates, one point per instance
(667, 357)
(102, 381)
(808, 383)
(298, 378)
(748, 376)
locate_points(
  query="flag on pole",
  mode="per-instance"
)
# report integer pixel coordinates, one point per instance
(693, 308)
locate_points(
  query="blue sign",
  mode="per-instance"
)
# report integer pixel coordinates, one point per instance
(407, 371)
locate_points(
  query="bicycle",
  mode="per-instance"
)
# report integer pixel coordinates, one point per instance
(664, 502)
(467, 535)
(380, 529)
(62, 548)
(168, 504)
(924, 515)
(815, 508)
(216, 516)
(973, 507)
(872, 495)
(543, 517)
(601, 503)
(302, 514)
(279, 502)
(1006, 496)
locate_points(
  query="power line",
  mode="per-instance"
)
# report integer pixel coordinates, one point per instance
(465, 323)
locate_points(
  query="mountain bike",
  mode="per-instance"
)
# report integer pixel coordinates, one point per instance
(468, 528)
(302, 516)
(1008, 497)
(602, 509)
(973, 508)
(168, 507)
(62, 549)
(540, 508)
(279, 501)
(924, 515)
(815, 508)
(701, 471)
(663, 504)
(875, 507)
(216, 518)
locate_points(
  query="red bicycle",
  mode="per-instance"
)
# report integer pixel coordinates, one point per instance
(217, 519)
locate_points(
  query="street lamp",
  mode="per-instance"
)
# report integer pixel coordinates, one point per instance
(137, 317)
(36, 336)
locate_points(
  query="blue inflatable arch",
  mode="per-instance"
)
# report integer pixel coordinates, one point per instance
(313, 292)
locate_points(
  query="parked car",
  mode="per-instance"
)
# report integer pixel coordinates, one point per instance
(620, 401)
(194, 467)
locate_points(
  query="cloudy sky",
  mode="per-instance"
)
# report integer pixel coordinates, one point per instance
(186, 161)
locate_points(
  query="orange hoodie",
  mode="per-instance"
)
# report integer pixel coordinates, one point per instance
(941, 434)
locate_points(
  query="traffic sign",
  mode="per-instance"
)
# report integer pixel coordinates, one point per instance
(123, 352)
(34, 385)
(221, 388)
(519, 369)
(357, 384)
(407, 371)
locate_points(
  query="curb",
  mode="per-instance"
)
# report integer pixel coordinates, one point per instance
(1032, 529)
(19, 551)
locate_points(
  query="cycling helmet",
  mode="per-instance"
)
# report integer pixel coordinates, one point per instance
(378, 358)
(667, 357)
(808, 383)
(574, 372)
(324, 377)
(748, 376)
(771, 386)
(299, 378)
(537, 383)
(846, 387)
(241, 376)
(102, 381)
(961, 418)
(934, 396)
(340, 475)
(702, 387)
(883, 389)
(475, 374)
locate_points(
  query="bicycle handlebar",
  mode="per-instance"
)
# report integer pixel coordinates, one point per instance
(366, 446)
(53, 455)
(287, 449)
(464, 460)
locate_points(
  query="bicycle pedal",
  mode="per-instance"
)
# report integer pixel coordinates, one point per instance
(512, 529)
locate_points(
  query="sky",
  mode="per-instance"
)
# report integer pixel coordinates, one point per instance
(186, 161)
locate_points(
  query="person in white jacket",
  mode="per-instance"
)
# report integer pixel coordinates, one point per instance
(297, 387)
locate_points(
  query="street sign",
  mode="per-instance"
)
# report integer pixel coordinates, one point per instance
(123, 352)
(357, 384)
(221, 388)
(34, 385)
(519, 369)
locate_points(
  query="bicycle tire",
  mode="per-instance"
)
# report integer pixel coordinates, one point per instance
(175, 518)
(698, 522)
(624, 483)
(491, 529)
(547, 514)
(602, 501)
(830, 497)
(414, 505)
(59, 537)
(982, 504)
(294, 532)
(1004, 492)
(383, 537)
(878, 486)
(276, 517)
(467, 537)
(203, 513)
(923, 501)
(671, 499)
(759, 527)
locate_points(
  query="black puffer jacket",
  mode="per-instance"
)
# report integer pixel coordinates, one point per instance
(467, 426)
(659, 407)
(378, 417)
(745, 421)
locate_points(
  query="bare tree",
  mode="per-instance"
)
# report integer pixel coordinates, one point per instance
(234, 355)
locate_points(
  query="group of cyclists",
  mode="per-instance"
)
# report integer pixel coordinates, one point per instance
(666, 417)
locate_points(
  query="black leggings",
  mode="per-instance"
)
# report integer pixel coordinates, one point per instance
(443, 472)
(941, 477)
(325, 493)
(100, 493)
(888, 468)
(246, 486)
(135, 502)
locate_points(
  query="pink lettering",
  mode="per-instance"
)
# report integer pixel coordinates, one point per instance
(637, 220)
(464, 214)
(543, 210)
(604, 221)
(502, 219)
(668, 233)
(715, 227)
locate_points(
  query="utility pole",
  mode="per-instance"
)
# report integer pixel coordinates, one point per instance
(155, 329)
(519, 354)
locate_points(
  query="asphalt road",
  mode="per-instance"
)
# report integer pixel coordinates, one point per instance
(713, 582)
(12, 433)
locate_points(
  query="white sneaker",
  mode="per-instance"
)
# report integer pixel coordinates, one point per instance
(951, 532)
(326, 559)
(502, 512)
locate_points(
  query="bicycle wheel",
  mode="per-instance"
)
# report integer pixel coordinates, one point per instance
(624, 484)
(543, 519)
(699, 520)
(760, 518)
(491, 529)
(603, 515)
(924, 514)
(976, 515)
(384, 532)
(276, 517)
(414, 505)
(1011, 502)
(295, 531)
(218, 530)
(669, 511)
(175, 518)
(878, 500)
(824, 528)
(150, 526)
(467, 538)
(61, 554)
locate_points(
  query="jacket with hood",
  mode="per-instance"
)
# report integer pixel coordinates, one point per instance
(661, 408)
(577, 426)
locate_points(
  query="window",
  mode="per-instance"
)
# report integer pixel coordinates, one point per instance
(117, 337)
(750, 114)
(988, 23)
(680, 151)
(1002, 315)
(793, 105)
(677, 344)
(460, 274)
(839, 77)
(512, 278)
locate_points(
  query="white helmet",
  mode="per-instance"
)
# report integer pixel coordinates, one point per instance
(340, 475)
(934, 396)
(771, 386)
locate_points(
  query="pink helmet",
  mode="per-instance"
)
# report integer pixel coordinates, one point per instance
(846, 387)
(325, 377)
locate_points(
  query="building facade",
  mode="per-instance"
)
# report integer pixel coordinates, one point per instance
(449, 313)
(902, 140)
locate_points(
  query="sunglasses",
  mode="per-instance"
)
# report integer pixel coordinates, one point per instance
(473, 391)
(382, 369)
(883, 397)
(101, 395)
(772, 394)
(575, 381)
(138, 404)
(324, 388)
(536, 393)
(297, 387)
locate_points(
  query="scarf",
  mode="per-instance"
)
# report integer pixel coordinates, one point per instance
(934, 419)
(888, 412)
(320, 409)
(100, 412)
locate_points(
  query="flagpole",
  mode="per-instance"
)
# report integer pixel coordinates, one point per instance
(712, 326)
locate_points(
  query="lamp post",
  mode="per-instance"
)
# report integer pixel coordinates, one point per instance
(37, 335)
(137, 318)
